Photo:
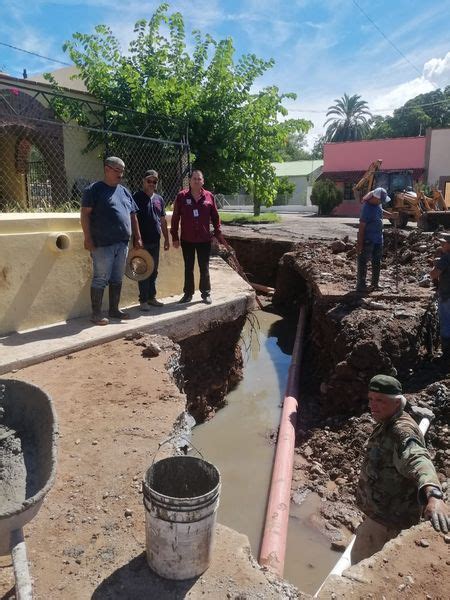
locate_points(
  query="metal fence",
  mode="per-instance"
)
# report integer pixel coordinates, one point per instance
(52, 145)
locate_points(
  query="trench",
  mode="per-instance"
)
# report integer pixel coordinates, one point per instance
(240, 442)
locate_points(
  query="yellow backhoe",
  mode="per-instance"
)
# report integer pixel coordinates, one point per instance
(428, 211)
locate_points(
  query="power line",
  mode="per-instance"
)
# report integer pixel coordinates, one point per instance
(375, 110)
(36, 54)
(396, 48)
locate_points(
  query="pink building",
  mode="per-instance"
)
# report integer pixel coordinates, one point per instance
(346, 162)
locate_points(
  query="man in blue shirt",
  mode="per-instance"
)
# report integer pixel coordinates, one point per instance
(152, 221)
(441, 273)
(108, 218)
(369, 245)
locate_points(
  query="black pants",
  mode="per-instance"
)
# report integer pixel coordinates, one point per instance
(203, 251)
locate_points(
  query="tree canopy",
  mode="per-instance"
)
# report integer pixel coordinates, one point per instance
(234, 132)
(415, 116)
(349, 119)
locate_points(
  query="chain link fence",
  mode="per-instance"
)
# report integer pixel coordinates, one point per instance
(47, 159)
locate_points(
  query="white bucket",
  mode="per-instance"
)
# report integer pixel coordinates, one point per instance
(181, 497)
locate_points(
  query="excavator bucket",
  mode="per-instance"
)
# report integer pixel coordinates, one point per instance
(433, 219)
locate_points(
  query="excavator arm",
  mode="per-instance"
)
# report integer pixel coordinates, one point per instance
(365, 184)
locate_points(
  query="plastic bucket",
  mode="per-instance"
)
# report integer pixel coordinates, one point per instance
(181, 497)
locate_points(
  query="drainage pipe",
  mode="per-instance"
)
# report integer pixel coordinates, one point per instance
(273, 546)
(345, 560)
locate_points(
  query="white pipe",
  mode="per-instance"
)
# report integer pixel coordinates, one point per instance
(345, 560)
(24, 587)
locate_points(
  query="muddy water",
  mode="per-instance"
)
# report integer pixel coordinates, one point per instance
(236, 441)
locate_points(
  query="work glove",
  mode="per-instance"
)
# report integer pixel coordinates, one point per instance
(436, 511)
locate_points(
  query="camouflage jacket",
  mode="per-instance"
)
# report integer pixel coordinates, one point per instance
(395, 468)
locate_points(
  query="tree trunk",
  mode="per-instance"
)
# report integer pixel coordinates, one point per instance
(256, 203)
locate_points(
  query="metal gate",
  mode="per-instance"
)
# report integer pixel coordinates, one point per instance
(39, 188)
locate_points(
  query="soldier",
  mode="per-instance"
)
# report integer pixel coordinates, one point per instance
(398, 482)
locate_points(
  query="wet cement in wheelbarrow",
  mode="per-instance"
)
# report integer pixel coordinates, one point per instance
(13, 470)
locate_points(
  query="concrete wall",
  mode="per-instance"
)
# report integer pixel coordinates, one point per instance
(396, 153)
(439, 157)
(40, 285)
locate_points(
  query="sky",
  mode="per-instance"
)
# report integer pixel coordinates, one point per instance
(385, 51)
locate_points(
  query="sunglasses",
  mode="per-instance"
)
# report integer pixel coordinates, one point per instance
(151, 180)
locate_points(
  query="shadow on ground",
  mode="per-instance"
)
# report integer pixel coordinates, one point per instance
(135, 581)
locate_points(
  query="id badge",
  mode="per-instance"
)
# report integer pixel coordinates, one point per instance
(195, 212)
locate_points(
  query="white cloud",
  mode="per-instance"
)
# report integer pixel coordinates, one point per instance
(437, 70)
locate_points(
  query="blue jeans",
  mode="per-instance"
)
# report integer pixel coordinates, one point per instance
(444, 317)
(374, 253)
(147, 287)
(109, 264)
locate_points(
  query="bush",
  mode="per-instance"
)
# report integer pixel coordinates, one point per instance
(326, 196)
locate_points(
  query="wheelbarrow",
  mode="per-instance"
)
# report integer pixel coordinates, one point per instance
(28, 433)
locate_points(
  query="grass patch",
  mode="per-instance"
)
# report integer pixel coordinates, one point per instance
(238, 218)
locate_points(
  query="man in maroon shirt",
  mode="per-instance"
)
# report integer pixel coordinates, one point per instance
(196, 209)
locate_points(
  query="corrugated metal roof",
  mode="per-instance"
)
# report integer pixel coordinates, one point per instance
(296, 168)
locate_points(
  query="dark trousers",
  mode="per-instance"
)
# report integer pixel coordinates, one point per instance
(374, 253)
(147, 287)
(203, 250)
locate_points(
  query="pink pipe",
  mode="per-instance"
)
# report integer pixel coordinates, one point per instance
(273, 545)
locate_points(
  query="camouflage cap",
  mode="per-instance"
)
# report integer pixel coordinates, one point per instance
(385, 384)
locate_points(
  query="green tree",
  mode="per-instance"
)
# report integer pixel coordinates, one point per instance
(293, 148)
(317, 149)
(233, 133)
(348, 119)
(413, 118)
(326, 196)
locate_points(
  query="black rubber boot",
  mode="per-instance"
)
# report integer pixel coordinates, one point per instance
(361, 274)
(96, 302)
(375, 283)
(445, 347)
(114, 299)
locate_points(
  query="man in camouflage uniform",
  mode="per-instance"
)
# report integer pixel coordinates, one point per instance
(398, 482)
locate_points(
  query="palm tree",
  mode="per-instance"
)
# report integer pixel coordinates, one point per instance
(349, 119)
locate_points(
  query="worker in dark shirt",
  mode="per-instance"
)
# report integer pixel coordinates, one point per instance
(441, 273)
(108, 218)
(152, 222)
(195, 208)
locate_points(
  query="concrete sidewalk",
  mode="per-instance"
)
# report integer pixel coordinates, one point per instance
(231, 295)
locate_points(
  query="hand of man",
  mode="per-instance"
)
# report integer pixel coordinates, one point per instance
(176, 244)
(437, 512)
(137, 243)
(166, 244)
(220, 238)
(89, 245)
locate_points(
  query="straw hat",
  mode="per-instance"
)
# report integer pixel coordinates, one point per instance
(139, 265)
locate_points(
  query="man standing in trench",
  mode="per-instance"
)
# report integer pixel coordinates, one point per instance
(108, 218)
(369, 244)
(398, 482)
(196, 209)
(441, 274)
